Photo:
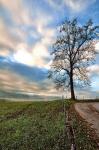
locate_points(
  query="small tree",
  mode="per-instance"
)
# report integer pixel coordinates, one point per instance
(73, 52)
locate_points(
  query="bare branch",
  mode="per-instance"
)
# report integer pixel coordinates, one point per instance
(73, 52)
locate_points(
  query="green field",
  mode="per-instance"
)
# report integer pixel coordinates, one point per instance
(39, 126)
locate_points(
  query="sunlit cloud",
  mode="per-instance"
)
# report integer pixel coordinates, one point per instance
(22, 56)
(97, 46)
(27, 33)
(18, 12)
(38, 53)
(15, 38)
(93, 69)
(6, 40)
(11, 81)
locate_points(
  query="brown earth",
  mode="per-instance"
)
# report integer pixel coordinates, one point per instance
(89, 112)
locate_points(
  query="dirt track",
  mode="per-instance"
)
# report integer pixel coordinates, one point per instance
(90, 112)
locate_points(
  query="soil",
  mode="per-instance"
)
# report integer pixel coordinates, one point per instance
(90, 113)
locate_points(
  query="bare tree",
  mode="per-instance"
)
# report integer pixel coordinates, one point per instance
(73, 52)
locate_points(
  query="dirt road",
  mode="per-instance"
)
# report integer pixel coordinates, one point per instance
(90, 112)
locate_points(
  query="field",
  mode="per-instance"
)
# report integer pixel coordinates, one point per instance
(40, 126)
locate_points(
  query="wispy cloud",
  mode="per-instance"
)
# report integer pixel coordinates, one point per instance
(14, 82)
(75, 6)
(10, 81)
(17, 10)
(27, 31)
(93, 69)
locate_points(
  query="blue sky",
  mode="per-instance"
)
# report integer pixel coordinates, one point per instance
(27, 31)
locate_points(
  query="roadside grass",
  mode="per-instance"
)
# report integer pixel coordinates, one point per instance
(39, 126)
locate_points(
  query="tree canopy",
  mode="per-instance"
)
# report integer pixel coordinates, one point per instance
(73, 51)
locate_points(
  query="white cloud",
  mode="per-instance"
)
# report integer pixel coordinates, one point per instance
(93, 69)
(10, 37)
(38, 53)
(33, 57)
(40, 50)
(5, 36)
(75, 6)
(4, 52)
(11, 81)
(15, 37)
(78, 5)
(97, 46)
(19, 13)
(23, 56)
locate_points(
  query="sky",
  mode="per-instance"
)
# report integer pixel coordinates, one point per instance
(28, 29)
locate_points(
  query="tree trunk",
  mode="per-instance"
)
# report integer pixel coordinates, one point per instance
(72, 86)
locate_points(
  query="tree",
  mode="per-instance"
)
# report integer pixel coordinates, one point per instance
(73, 52)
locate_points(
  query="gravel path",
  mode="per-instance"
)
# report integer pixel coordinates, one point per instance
(90, 112)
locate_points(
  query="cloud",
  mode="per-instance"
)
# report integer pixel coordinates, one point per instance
(27, 31)
(30, 35)
(38, 54)
(40, 51)
(10, 37)
(4, 52)
(93, 70)
(21, 78)
(6, 39)
(86, 94)
(75, 6)
(15, 81)
(30, 73)
(95, 83)
(18, 12)
(22, 55)
(78, 5)
(97, 46)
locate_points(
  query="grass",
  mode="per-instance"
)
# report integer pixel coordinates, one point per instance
(38, 126)
(85, 137)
